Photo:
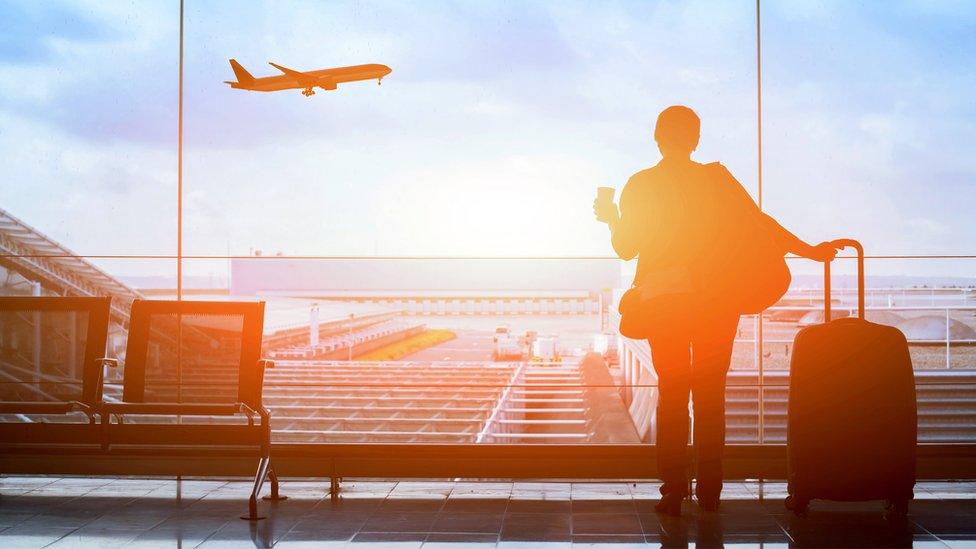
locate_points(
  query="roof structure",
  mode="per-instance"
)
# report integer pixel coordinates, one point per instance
(933, 328)
(305, 277)
(37, 257)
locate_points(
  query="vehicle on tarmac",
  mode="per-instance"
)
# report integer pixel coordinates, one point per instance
(545, 349)
(507, 347)
(606, 345)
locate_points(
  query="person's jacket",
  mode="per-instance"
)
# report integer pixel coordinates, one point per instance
(684, 222)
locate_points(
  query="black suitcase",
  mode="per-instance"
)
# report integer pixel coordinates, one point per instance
(852, 425)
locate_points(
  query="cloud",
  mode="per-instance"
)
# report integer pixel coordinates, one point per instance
(547, 64)
(859, 104)
(93, 198)
(108, 86)
(33, 32)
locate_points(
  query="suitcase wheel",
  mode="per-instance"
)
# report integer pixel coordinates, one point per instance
(799, 506)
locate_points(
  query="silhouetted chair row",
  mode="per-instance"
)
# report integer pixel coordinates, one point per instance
(192, 379)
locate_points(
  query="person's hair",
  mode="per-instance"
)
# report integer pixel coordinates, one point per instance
(679, 127)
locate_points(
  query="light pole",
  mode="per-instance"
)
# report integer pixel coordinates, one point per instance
(351, 342)
(313, 325)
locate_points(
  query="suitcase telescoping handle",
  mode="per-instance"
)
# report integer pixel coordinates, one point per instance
(846, 243)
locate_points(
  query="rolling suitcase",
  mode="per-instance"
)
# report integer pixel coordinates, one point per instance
(851, 429)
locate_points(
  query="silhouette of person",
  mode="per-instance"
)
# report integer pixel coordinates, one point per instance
(675, 218)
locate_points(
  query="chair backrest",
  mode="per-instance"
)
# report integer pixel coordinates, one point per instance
(50, 348)
(194, 352)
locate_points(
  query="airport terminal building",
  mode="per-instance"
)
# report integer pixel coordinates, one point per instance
(438, 286)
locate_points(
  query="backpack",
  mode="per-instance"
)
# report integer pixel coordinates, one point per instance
(744, 269)
(748, 272)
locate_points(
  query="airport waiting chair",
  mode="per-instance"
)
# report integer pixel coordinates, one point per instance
(192, 383)
(51, 364)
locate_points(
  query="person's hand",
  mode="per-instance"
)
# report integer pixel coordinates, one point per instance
(605, 211)
(823, 252)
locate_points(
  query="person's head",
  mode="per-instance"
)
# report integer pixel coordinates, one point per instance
(677, 131)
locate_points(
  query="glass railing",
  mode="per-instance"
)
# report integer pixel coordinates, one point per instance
(427, 359)
(461, 357)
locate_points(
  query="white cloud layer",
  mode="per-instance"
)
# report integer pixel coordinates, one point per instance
(495, 127)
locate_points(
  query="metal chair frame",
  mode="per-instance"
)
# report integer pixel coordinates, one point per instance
(23, 435)
(195, 439)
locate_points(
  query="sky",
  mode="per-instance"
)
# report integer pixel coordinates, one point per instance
(490, 136)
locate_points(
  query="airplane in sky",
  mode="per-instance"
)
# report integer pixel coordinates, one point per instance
(327, 79)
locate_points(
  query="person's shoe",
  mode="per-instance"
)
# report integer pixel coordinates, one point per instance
(708, 503)
(670, 504)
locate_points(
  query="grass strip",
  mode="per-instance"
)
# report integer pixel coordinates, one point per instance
(409, 345)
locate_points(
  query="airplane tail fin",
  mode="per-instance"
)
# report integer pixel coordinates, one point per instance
(243, 77)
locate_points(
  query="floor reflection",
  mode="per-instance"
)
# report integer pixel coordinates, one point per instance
(62, 512)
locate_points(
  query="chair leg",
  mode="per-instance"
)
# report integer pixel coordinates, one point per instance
(252, 502)
(274, 496)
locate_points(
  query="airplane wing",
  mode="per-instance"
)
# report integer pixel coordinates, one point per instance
(297, 75)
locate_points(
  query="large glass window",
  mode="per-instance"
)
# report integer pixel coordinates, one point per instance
(868, 123)
(88, 109)
(426, 248)
(489, 137)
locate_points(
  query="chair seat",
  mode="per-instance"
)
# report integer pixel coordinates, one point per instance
(17, 434)
(172, 408)
(40, 407)
(176, 436)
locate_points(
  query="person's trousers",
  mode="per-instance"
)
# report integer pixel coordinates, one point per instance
(691, 348)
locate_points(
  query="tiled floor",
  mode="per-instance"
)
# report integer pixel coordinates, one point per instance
(105, 512)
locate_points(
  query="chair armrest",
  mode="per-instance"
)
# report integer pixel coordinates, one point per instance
(81, 407)
(85, 409)
(265, 414)
(245, 409)
(102, 363)
(110, 362)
